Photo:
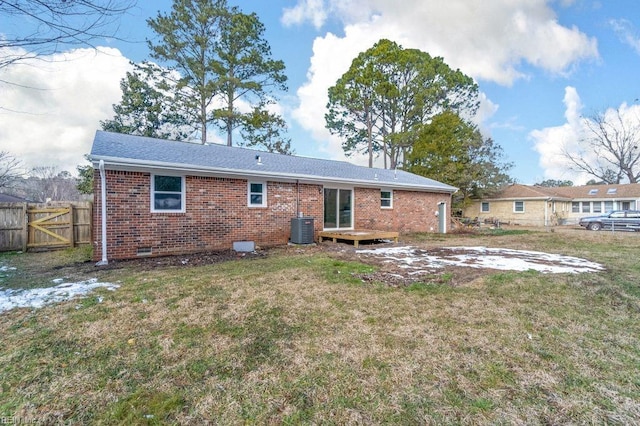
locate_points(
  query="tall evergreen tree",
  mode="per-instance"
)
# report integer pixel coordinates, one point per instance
(150, 106)
(455, 152)
(388, 93)
(188, 41)
(225, 64)
(245, 71)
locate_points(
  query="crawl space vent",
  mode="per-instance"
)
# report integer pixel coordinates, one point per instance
(144, 251)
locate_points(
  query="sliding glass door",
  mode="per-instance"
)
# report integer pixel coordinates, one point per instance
(338, 209)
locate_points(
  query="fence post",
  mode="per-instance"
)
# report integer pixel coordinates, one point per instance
(25, 227)
(72, 237)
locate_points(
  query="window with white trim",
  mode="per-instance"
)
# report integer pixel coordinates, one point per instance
(608, 206)
(484, 207)
(167, 194)
(257, 194)
(386, 198)
(575, 207)
(586, 207)
(518, 206)
(597, 207)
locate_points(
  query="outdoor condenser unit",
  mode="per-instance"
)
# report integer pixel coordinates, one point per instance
(302, 230)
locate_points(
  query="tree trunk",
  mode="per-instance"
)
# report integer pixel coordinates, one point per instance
(369, 136)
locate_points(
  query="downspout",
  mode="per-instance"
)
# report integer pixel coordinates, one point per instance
(298, 213)
(103, 199)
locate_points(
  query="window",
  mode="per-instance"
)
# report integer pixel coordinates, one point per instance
(484, 207)
(586, 207)
(167, 194)
(608, 206)
(386, 199)
(518, 206)
(593, 191)
(597, 207)
(257, 194)
(612, 191)
(575, 207)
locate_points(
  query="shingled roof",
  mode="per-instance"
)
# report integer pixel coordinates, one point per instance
(6, 198)
(527, 192)
(585, 192)
(126, 152)
(611, 191)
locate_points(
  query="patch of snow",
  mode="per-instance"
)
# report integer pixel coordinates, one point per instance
(409, 257)
(39, 297)
(4, 268)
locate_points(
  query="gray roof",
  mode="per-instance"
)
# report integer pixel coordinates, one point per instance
(126, 152)
(6, 198)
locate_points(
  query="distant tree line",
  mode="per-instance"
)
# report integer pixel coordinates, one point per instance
(39, 184)
(554, 183)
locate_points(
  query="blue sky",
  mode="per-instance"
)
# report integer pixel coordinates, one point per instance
(540, 65)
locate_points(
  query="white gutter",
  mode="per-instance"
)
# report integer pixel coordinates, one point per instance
(120, 164)
(103, 202)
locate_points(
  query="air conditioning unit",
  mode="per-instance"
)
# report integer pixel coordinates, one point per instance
(302, 230)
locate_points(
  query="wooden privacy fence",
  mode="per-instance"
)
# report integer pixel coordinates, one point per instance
(25, 226)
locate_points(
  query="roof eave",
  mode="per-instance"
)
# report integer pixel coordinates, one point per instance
(116, 163)
(538, 198)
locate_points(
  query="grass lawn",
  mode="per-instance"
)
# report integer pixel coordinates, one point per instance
(295, 337)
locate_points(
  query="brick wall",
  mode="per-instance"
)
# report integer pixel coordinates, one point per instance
(217, 214)
(412, 211)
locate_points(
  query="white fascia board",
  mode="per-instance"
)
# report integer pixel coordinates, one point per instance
(112, 163)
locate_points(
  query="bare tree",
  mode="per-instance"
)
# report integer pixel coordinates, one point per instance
(47, 183)
(47, 25)
(10, 169)
(614, 137)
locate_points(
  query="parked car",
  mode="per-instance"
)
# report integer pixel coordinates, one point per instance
(622, 220)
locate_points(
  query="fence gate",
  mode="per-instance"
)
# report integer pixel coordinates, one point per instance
(50, 227)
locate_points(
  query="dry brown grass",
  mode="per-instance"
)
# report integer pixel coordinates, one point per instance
(295, 337)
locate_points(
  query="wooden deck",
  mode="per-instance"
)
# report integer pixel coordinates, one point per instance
(358, 235)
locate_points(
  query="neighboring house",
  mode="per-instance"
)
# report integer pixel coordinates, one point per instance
(5, 198)
(543, 206)
(166, 197)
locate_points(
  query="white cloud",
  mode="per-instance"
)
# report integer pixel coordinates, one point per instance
(317, 12)
(551, 141)
(626, 32)
(51, 107)
(306, 10)
(493, 41)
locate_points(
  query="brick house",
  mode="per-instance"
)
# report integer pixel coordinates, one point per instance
(542, 206)
(166, 197)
